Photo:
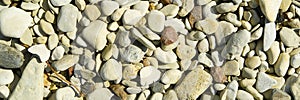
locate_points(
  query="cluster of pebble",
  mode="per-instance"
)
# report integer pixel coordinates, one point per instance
(149, 49)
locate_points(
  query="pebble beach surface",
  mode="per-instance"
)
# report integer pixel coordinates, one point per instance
(149, 49)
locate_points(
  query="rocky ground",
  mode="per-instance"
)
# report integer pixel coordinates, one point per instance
(149, 49)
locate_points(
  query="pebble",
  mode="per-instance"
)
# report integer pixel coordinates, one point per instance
(130, 72)
(225, 29)
(100, 93)
(80, 4)
(4, 91)
(130, 17)
(282, 64)
(187, 7)
(29, 6)
(169, 36)
(123, 37)
(264, 82)
(243, 95)
(253, 62)
(154, 20)
(273, 52)
(149, 75)
(170, 10)
(60, 2)
(295, 59)
(65, 93)
(208, 25)
(65, 62)
(170, 95)
(41, 50)
(133, 90)
(26, 38)
(249, 73)
(157, 96)
(14, 22)
(219, 86)
(171, 76)
(108, 7)
(92, 12)
(142, 6)
(165, 56)
(203, 46)
(218, 74)
(232, 18)
(231, 90)
(231, 68)
(67, 18)
(10, 57)
(137, 35)
(58, 53)
(111, 70)
(289, 37)
(177, 24)
(185, 51)
(132, 54)
(6, 76)
(279, 94)
(30, 86)
(226, 7)
(270, 8)
(47, 27)
(193, 84)
(257, 34)
(148, 33)
(269, 35)
(95, 34)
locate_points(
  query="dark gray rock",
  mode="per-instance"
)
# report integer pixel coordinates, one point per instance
(10, 57)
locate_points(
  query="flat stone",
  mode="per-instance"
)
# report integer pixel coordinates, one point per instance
(30, 6)
(10, 57)
(231, 68)
(58, 53)
(249, 73)
(95, 34)
(257, 34)
(154, 21)
(66, 62)
(26, 38)
(171, 76)
(111, 70)
(65, 93)
(243, 95)
(203, 59)
(92, 12)
(264, 82)
(170, 95)
(193, 84)
(137, 35)
(219, 86)
(108, 7)
(165, 56)
(67, 18)
(142, 6)
(284, 6)
(30, 86)
(253, 62)
(270, 8)
(185, 51)
(282, 64)
(53, 41)
(131, 17)
(6, 76)
(273, 52)
(14, 22)
(4, 91)
(100, 93)
(47, 27)
(170, 10)
(289, 37)
(279, 94)
(208, 25)
(269, 35)
(225, 29)
(133, 90)
(41, 50)
(149, 75)
(132, 54)
(60, 2)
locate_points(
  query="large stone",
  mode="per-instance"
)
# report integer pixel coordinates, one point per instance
(14, 22)
(67, 18)
(289, 37)
(30, 86)
(155, 21)
(193, 84)
(111, 70)
(10, 57)
(270, 8)
(264, 82)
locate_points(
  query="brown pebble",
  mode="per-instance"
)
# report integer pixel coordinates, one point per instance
(165, 2)
(119, 91)
(218, 74)
(169, 35)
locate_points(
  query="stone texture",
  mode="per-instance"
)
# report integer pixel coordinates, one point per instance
(149, 75)
(67, 18)
(264, 82)
(231, 68)
(253, 62)
(273, 52)
(269, 35)
(108, 7)
(207, 25)
(168, 35)
(111, 70)
(92, 12)
(289, 37)
(154, 21)
(6, 76)
(132, 54)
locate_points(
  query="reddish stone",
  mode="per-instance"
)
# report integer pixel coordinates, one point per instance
(195, 15)
(165, 2)
(218, 74)
(169, 35)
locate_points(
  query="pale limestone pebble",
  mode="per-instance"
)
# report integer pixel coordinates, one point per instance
(247, 82)
(41, 50)
(170, 10)
(269, 35)
(185, 64)
(289, 37)
(273, 52)
(187, 7)
(203, 46)
(196, 35)
(130, 17)
(249, 73)
(232, 18)
(67, 18)
(7, 76)
(129, 72)
(262, 55)
(133, 90)
(170, 95)
(65, 62)
(27, 38)
(111, 37)
(171, 76)
(177, 24)
(50, 17)
(157, 96)
(251, 53)
(19, 46)
(256, 34)
(243, 95)
(202, 2)
(84, 21)
(174, 65)
(264, 82)
(235, 44)
(30, 86)
(40, 13)
(212, 42)
(279, 94)
(100, 93)
(113, 26)
(194, 84)
(108, 7)
(29, 6)
(254, 93)
(177, 2)
(270, 8)
(231, 68)
(137, 35)
(185, 52)
(111, 70)
(65, 41)
(149, 75)
(91, 12)
(207, 25)
(95, 34)
(47, 27)
(65, 93)
(219, 86)
(123, 37)
(205, 60)
(41, 40)
(142, 6)
(14, 22)
(217, 58)
(246, 25)
(117, 15)
(80, 4)
(282, 64)
(282, 48)
(246, 50)
(107, 52)
(58, 53)
(226, 7)
(148, 33)
(72, 35)
(230, 92)
(284, 6)
(253, 62)
(153, 61)
(295, 59)
(132, 54)
(155, 19)
(224, 29)
(4, 91)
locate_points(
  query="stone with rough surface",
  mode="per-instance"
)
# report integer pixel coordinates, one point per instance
(10, 57)
(264, 82)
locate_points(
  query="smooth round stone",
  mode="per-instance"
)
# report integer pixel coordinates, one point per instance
(133, 90)
(203, 59)
(154, 21)
(169, 35)
(157, 96)
(4, 91)
(171, 76)
(65, 93)
(80, 4)
(131, 17)
(203, 46)
(111, 70)
(142, 6)
(10, 57)
(108, 7)
(67, 18)
(30, 6)
(66, 62)
(165, 56)
(6, 76)
(41, 50)
(226, 7)
(47, 27)
(53, 41)
(219, 86)
(231, 68)
(282, 64)
(92, 12)
(132, 54)
(60, 2)
(207, 25)
(26, 38)
(264, 82)
(185, 51)
(149, 75)
(170, 95)
(14, 22)
(270, 8)
(58, 53)
(170, 10)
(253, 62)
